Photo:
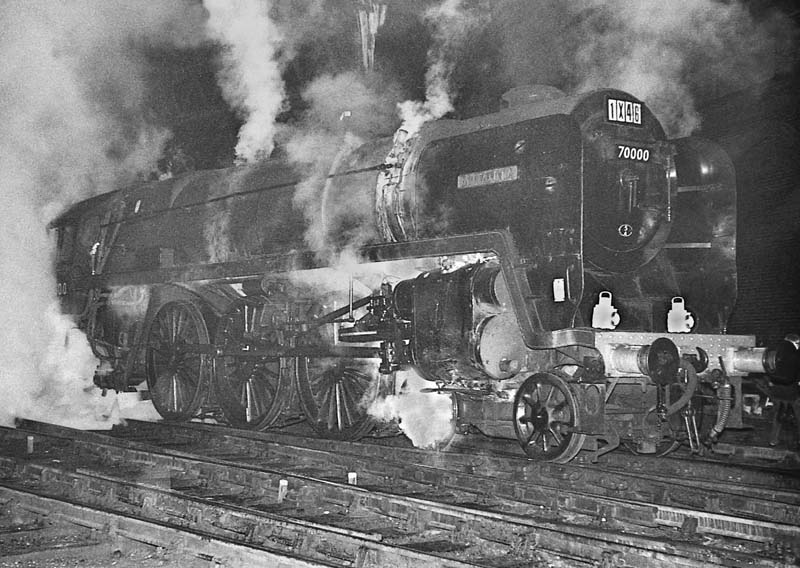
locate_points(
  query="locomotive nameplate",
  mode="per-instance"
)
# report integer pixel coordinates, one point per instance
(488, 177)
(624, 112)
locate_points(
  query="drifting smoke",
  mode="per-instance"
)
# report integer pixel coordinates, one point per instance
(453, 26)
(313, 194)
(70, 126)
(344, 110)
(665, 52)
(669, 54)
(250, 74)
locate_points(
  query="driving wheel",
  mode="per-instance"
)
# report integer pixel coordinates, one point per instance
(250, 390)
(177, 361)
(335, 395)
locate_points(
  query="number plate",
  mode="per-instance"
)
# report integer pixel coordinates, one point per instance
(624, 112)
(625, 152)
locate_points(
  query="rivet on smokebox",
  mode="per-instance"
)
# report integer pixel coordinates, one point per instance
(352, 478)
(283, 489)
(30, 444)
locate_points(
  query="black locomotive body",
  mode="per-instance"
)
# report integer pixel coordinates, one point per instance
(571, 274)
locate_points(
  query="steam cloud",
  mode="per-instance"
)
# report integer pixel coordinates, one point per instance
(344, 111)
(250, 75)
(70, 126)
(453, 24)
(426, 418)
(667, 53)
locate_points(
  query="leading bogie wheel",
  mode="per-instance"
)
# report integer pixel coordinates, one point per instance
(251, 391)
(335, 395)
(177, 362)
(546, 419)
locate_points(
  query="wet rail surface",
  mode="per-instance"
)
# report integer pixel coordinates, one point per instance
(362, 504)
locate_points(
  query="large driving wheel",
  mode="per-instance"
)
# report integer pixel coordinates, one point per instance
(177, 367)
(251, 391)
(546, 419)
(335, 395)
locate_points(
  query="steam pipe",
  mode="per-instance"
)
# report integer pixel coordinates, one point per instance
(725, 397)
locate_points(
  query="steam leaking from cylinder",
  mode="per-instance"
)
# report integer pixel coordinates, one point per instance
(426, 418)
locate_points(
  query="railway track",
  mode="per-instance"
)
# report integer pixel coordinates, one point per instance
(661, 485)
(360, 504)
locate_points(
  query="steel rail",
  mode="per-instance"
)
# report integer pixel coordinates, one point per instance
(560, 537)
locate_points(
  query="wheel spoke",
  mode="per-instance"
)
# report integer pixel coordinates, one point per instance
(549, 397)
(339, 405)
(331, 408)
(556, 436)
(177, 330)
(249, 401)
(324, 395)
(331, 395)
(348, 415)
(175, 392)
(190, 379)
(352, 392)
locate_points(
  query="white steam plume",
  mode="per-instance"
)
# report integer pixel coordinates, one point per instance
(426, 418)
(665, 52)
(70, 126)
(250, 75)
(343, 110)
(453, 24)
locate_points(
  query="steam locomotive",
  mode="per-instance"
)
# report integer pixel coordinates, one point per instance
(568, 274)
